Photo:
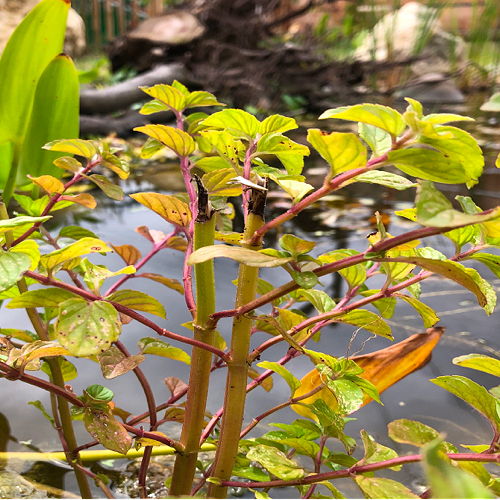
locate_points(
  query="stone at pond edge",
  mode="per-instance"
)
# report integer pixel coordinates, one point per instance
(13, 485)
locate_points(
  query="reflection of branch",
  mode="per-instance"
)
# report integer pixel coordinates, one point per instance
(360, 469)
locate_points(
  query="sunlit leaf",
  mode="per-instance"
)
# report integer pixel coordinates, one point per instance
(78, 147)
(375, 452)
(128, 253)
(84, 199)
(8, 224)
(296, 246)
(139, 301)
(246, 256)
(354, 275)
(87, 328)
(387, 179)
(169, 207)
(318, 298)
(76, 233)
(290, 153)
(427, 314)
(237, 122)
(159, 348)
(43, 297)
(292, 381)
(170, 96)
(277, 124)
(367, 320)
(479, 362)
(12, 267)
(221, 183)
(474, 394)
(276, 462)
(175, 139)
(381, 487)
(342, 151)
(80, 247)
(201, 98)
(295, 189)
(68, 163)
(377, 115)
(378, 139)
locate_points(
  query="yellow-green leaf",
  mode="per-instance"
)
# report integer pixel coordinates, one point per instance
(479, 362)
(48, 183)
(157, 347)
(168, 282)
(246, 256)
(237, 122)
(381, 487)
(44, 297)
(139, 301)
(221, 183)
(171, 97)
(169, 207)
(78, 147)
(383, 117)
(103, 427)
(174, 139)
(12, 267)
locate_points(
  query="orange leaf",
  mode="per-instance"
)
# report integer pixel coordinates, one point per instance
(382, 368)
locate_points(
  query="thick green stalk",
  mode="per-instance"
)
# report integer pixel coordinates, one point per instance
(201, 359)
(235, 396)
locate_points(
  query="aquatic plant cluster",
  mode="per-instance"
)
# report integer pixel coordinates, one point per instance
(230, 157)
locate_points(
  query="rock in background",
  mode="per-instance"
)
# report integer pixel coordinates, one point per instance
(13, 11)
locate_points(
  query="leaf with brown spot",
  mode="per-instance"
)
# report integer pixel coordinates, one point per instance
(114, 363)
(103, 427)
(169, 207)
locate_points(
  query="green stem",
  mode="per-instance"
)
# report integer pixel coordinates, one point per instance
(201, 359)
(237, 376)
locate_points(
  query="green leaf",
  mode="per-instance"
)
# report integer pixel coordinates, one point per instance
(342, 151)
(381, 487)
(35, 42)
(107, 187)
(43, 297)
(80, 247)
(154, 106)
(39, 406)
(149, 345)
(430, 165)
(447, 481)
(169, 207)
(305, 279)
(295, 189)
(237, 122)
(221, 182)
(168, 95)
(492, 262)
(114, 363)
(387, 179)
(459, 146)
(296, 246)
(252, 473)
(367, 320)
(292, 381)
(12, 267)
(434, 209)
(441, 118)
(376, 452)
(201, 98)
(68, 369)
(8, 224)
(150, 148)
(428, 315)
(385, 306)
(97, 393)
(318, 298)
(474, 394)
(276, 462)
(55, 114)
(411, 432)
(479, 362)
(138, 301)
(87, 328)
(174, 139)
(377, 115)
(76, 233)
(68, 163)
(378, 139)
(290, 153)
(354, 275)
(492, 104)
(78, 147)
(103, 427)
(277, 124)
(246, 256)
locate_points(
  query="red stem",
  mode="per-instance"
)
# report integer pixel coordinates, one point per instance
(360, 469)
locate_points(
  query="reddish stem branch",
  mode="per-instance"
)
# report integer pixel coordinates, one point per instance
(125, 310)
(360, 469)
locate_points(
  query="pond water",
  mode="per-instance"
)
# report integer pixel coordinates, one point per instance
(338, 222)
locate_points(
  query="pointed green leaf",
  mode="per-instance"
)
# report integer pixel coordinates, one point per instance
(157, 347)
(107, 187)
(474, 394)
(441, 118)
(354, 275)
(411, 432)
(387, 179)
(318, 298)
(378, 139)
(76, 233)
(428, 315)
(55, 114)
(492, 262)
(87, 328)
(296, 189)
(292, 381)
(174, 139)
(138, 301)
(221, 182)
(276, 462)
(383, 117)
(237, 122)
(78, 147)
(296, 246)
(201, 98)
(430, 165)
(479, 362)
(44, 297)
(171, 97)
(342, 151)
(367, 320)
(376, 452)
(80, 247)
(12, 267)
(290, 153)
(8, 224)
(277, 124)
(381, 487)
(246, 256)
